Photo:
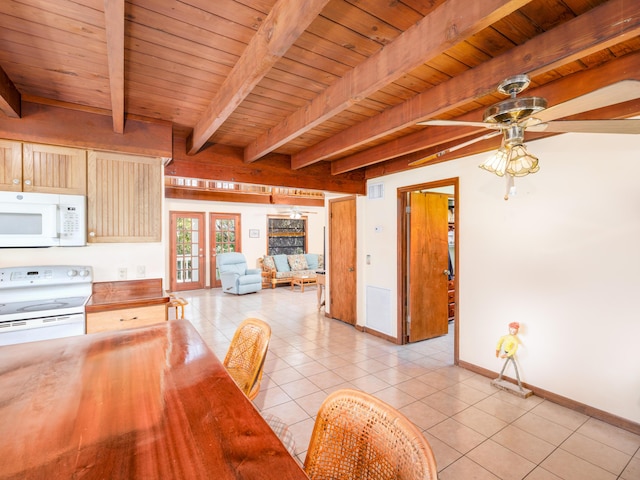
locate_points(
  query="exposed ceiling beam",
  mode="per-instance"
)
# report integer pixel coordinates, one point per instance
(285, 23)
(10, 98)
(446, 26)
(399, 164)
(609, 24)
(114, 26)
(556, 92)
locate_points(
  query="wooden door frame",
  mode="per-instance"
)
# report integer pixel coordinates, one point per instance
(173, 281)
(212, 243)
(401, 327)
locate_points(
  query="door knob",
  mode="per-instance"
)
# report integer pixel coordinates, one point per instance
(446, 272)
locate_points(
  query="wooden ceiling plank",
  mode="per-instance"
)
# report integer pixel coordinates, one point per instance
(438, 31)
(10, 97)
(433, 137)
(284, 24)
(114, 26)
(606, 25)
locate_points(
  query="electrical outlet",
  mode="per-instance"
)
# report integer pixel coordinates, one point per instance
(140, 271)
(122, 273)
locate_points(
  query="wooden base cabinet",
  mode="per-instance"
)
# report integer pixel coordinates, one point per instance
(126, 318)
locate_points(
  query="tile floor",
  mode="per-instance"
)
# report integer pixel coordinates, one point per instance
(475, 430)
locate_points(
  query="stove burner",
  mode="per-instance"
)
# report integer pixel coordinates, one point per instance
(43, 306)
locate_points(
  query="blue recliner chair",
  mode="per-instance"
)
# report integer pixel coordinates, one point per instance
(235, 276)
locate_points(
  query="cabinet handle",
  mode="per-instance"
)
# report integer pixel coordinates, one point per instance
(92, 234)
(27, 182)
(16, 181)
(128, 319)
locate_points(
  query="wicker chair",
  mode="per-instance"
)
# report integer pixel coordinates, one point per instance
(358, 436)
(246, 354)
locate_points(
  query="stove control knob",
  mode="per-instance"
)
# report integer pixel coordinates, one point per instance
(84, 273)
(72, 273)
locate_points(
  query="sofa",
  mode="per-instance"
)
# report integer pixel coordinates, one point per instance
(280, 269)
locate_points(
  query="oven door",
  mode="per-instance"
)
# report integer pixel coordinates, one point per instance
(45, 328)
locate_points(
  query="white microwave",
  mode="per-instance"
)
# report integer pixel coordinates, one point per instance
(42, 220)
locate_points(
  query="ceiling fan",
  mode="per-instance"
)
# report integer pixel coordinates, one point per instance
(510, 118)
(295, 212)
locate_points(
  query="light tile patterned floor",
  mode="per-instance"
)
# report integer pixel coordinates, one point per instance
(476, 431)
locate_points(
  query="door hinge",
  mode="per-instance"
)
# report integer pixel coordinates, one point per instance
(407, 209)
(408, 319)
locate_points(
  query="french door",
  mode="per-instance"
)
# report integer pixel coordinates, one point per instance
(187, 246)
(224, 236)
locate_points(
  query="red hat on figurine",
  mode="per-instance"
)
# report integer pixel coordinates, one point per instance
(515, 325)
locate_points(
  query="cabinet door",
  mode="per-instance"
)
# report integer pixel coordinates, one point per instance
(10, 165)
(52, 169)
(124, 198)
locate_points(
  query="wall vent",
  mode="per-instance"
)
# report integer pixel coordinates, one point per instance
(378, 308)
(376, 190)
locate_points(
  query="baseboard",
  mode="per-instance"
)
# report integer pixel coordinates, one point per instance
(609, 418)
(375, 333)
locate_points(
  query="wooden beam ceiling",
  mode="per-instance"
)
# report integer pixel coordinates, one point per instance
(579, 83)
(436, 32)
(114, 27)
(282, 27)
(541, 54)
(10, 97)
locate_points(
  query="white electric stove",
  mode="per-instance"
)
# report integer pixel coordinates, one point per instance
(43, 302)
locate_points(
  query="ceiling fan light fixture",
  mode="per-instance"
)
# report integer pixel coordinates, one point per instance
(521, 162)
(497, 162)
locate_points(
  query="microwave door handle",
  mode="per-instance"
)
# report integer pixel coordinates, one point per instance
(50, 221)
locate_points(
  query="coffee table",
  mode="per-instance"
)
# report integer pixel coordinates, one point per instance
(302, 280)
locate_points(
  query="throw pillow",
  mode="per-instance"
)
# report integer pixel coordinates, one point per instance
(312, 260)
(281, 263)
(268, 262)
(297, 262)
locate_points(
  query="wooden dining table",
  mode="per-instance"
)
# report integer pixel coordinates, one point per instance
(145, 403)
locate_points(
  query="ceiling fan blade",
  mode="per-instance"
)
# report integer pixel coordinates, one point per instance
(589, 126)
(617, 93)
(456, 123)
(454, 148)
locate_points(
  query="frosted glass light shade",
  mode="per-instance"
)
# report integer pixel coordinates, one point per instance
(521, 162)
(511, 159)
(497, 162)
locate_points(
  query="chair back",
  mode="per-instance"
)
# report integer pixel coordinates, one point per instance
(358, 436)
(245, 358)
(231, 262)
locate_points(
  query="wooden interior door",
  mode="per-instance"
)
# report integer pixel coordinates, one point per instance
(428, 260)
(342, 254)
(187, 245)
(224, 236)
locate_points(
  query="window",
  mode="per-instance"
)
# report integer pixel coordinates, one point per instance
(287, 235)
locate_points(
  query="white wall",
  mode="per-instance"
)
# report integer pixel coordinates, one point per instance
(105, 258)
(562, 257)
(253, 216)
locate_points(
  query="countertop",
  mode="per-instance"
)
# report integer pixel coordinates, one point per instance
(126, 294)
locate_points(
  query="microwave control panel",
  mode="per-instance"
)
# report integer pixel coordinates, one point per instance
(70, 221)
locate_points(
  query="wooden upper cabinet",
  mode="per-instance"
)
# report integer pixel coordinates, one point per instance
(124, 198)
(53, 169)
(31, 167)
(10, 166)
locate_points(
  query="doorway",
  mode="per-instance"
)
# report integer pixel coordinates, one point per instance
(186, 245)
(428, 269)
(342, 256)
(224, 236)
